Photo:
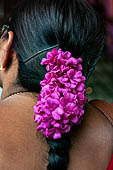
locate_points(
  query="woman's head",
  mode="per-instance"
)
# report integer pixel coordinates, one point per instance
(40, 24)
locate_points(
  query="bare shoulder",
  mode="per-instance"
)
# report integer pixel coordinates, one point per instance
(96, 124)
(16, 112)
(102, 112)
(17, 136)
(105, 108)
(92, 141)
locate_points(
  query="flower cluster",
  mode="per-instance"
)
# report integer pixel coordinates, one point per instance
(62, 98)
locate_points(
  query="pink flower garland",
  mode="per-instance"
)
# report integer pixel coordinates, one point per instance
(62, 98)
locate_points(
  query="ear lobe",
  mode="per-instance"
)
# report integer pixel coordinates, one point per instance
(7, 48)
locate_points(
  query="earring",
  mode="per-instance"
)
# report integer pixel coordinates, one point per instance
(1, 68)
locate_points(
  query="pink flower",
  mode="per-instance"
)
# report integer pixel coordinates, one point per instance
(62, 97)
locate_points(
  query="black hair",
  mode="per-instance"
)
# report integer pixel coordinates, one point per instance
(40, 24)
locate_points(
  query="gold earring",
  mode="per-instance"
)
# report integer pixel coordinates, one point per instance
(1, 67)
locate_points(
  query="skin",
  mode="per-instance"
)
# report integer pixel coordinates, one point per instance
(22, 148)
(8, 74)
(23, 141)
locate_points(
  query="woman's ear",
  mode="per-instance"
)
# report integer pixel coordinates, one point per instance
(7, 46)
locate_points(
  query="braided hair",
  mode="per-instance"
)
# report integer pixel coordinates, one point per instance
(59, 153)
(40, 24)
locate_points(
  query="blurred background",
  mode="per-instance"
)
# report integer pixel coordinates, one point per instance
(100, 85)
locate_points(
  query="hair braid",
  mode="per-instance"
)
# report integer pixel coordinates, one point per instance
(59, 153)
(40, 24)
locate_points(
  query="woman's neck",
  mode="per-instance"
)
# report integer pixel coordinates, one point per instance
(12, 90)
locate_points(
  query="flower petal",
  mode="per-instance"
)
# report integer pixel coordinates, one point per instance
(57, 135)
